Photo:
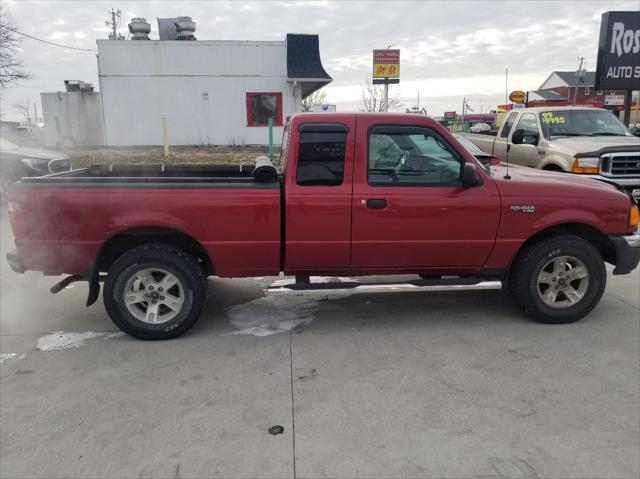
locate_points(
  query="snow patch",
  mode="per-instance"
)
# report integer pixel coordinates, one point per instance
(61, 340)
(272, 315)
(4, 356)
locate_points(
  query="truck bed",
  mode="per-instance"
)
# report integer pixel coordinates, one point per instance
(63, 220)
(160, 175)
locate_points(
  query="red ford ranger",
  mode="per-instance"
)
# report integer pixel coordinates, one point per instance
(359, 194)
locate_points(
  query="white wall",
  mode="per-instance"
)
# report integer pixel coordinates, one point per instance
(143, 81)
(75, 115)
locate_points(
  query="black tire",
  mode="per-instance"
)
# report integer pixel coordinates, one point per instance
(192, 283)
(524, 276)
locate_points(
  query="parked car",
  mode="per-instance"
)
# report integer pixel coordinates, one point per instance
(590, 142)
(480, 128)
(360, 194)
(16, 162)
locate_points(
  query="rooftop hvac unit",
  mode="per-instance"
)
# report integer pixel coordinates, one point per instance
(77, 85)
(139, 29)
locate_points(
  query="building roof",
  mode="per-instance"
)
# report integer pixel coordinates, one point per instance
(548, 95)
(304, 64)
(587, 78)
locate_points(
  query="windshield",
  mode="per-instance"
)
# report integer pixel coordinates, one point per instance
(560, 123)
(7, 145)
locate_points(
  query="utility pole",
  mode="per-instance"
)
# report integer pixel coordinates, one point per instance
(114, 23)
(578, 73)
(35, 109)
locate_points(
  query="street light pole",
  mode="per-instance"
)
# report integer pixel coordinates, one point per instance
(386, 96)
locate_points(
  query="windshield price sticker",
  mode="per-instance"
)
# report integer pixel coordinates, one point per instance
(549, 117)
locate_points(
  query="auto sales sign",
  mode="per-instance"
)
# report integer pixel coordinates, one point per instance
(618, 66)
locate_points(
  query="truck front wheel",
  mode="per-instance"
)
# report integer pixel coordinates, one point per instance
(558, 280)
(155, 291)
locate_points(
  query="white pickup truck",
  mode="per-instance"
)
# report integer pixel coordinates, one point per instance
(587, 141)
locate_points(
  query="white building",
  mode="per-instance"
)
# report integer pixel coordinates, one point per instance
(210, 92)
(72, 118)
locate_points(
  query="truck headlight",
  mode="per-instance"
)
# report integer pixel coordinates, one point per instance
(586, 165)
(38, 164)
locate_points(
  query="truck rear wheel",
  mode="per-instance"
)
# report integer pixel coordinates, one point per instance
(559, 280)
(155, 292)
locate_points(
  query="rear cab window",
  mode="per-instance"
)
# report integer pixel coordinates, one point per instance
(508, 124)
(321, 154)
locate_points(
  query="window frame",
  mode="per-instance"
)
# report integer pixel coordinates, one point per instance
(587, 90)
(535, 119)
(434, 133)
(249, 105)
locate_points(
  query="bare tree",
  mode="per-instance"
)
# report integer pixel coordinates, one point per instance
(373, 98)
(11, 67)
(317, 98)
(24, 109)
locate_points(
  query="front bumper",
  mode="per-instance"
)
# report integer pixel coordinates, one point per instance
(14, 262)
(627, 252)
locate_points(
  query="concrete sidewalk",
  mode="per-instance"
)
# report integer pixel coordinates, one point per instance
(446, 384)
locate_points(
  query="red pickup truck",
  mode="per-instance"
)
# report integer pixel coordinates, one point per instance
(359, 194)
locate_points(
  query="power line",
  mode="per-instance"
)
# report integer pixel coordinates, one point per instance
(48, 42)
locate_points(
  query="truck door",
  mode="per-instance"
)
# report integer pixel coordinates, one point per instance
(524, 141)
(410, 211)
(318, 188)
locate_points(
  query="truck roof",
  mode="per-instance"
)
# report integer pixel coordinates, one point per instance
(360, 114)
(537, 109)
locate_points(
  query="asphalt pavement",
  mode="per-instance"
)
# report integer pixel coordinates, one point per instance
(447, 384)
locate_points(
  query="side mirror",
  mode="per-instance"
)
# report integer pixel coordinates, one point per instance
(470, 176)
(517, 137)
(520, 137)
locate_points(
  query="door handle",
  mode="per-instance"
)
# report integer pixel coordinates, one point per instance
(376, 203)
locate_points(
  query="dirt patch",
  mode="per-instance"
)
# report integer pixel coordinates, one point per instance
(184, 155)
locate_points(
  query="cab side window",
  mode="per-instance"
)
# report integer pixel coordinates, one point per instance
(508, 124)
(528, 124)
(410, 156)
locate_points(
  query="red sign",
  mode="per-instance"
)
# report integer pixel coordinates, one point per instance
(386, 56)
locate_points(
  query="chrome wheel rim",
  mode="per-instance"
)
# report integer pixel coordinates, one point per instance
(154, 295)
(562, 282)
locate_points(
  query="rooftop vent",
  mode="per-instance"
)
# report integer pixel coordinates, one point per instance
(139, 29)
(185, 28)
(181, 28)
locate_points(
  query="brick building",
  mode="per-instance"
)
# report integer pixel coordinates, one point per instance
(560, 86)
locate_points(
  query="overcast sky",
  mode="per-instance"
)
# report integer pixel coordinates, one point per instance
(449, 49)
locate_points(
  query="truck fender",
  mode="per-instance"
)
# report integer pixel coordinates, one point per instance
(554, 161)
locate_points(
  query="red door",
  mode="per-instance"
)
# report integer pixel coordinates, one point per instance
(318, 185)
(409, 209)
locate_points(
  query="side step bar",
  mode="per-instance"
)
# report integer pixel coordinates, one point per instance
(435, 284)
